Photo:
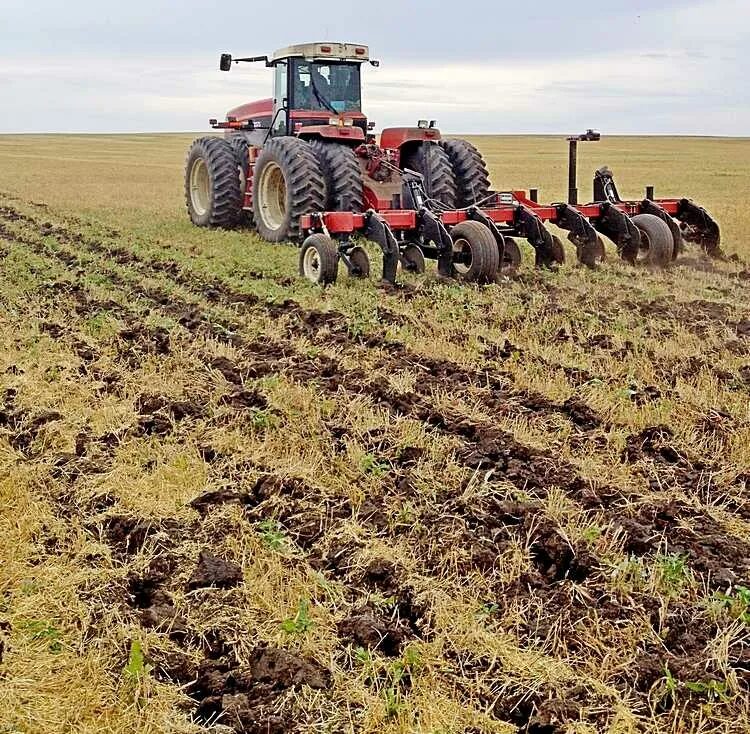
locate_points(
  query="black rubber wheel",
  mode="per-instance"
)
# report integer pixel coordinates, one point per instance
(212, 185)
(657, 242)
(342, 174)
(360, 262)
(512, 257)
(319, 259)
(477, 249)
(241, 149)
(287, 183)
(412, 259)
(558, 250)
(433, 163)
(470, 171)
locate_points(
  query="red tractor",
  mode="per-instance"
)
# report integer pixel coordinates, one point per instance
(305, 166)
(310, 149)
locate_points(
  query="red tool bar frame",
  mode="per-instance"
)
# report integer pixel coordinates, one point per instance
(498, 212)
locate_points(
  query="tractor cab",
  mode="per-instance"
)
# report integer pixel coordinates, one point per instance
(317, 92)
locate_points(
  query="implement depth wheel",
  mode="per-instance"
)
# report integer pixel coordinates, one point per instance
(287, 183)
(319, 259)
(412, 259)
(475, 253)
(657, 242)
(212, 184)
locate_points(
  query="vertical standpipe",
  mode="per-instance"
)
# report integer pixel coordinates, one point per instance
(573, 172)
(588, 136)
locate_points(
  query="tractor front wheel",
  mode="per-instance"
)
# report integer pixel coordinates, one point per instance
(212, 186)
(319, 259)
(475, 253)
(287, 183)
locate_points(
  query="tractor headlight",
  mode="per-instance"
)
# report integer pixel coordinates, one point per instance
(422, 124)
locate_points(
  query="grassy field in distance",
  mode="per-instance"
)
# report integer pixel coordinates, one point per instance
(233, 502)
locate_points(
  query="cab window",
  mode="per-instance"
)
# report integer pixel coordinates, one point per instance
(334, 88)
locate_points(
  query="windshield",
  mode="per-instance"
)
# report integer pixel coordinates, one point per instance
(326, 86)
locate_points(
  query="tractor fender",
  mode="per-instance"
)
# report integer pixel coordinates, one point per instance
(397, 137)
(342, 133)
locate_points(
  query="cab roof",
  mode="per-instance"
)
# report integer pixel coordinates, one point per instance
(323, 51)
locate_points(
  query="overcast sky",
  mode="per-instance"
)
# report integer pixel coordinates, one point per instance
(478, 66)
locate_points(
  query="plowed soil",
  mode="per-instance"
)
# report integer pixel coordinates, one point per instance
(231, 502)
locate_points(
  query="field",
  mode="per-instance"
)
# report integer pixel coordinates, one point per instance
(231, 502)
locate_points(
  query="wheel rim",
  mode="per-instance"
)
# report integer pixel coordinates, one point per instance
(311, 265)
(462, 247)
(272, 196)
(200, 187)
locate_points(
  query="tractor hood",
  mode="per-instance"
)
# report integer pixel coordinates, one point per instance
(252, 110)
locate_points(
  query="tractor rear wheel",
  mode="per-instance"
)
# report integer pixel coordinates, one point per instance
(475, 252)
(212, 186)
(470, 171)
(657, 241)
(287, 183)
(433, 163)
(319, 259)
(343, 176)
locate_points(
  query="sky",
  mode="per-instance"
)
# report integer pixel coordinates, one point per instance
(477, 66)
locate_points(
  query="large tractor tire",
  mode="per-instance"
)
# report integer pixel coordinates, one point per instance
(478, 252)
(241, 149)
(433, 163)
(470, 171)
(657, 242)
(343, 176)
(212, 186)
(287, 183)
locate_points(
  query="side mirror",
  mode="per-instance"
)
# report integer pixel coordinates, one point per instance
(374, 62)
(225, 64)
